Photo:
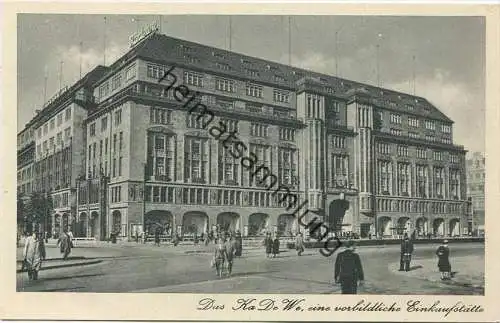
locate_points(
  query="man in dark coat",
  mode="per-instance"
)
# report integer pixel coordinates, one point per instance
(405, 256)
(348, 269)
(238, 244)
(268, 242)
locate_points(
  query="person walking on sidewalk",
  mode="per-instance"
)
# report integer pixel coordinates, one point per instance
(65, 245)
(443, 253)
(405, 256)
(238, 244)
(299, 244)
(33, 254)
(268, 243)
(348, 269)
(276, 245)
(229, 245)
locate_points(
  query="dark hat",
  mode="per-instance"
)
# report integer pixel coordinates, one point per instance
(349, 244)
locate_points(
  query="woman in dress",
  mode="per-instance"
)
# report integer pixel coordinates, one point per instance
(276, 246)
(443, 253)
(33, 254)
(299, 244)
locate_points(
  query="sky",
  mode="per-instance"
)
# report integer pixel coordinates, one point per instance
(445, 54)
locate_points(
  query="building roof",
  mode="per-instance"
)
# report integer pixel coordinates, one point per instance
(166, 49)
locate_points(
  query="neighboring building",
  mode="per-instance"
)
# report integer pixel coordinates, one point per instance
(25, 159)
(366, 159)
(57, 149)
(475, 189)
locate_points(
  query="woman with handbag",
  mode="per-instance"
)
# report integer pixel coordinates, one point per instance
(443, 253)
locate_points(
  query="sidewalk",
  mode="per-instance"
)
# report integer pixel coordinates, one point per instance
(467, 271)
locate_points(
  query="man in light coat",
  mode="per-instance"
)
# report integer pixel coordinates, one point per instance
(33, 254)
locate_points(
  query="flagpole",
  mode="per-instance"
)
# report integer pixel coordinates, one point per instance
(81, 45)
(290, 40)
(46, 72)
(105, 26)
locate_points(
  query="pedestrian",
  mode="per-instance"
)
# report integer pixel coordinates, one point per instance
(443, 253)
(229, 245)
(348, 269)
(136, 236)
(405, 255)
(219, 256)
(65, 244)
(143, 237)
(157, 237)
(276, 246)
(33, 254)
(268, 243)
(195, 239)
(299, 244)
(238, 244)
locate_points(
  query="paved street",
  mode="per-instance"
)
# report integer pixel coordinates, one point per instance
(145, 268)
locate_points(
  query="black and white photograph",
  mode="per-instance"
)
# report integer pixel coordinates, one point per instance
(250, 154)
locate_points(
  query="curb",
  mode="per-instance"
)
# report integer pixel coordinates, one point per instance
(84, 263)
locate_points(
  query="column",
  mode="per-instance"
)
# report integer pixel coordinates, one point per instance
(180, 157)
(214, 161)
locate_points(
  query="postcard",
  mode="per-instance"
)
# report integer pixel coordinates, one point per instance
(251, 162)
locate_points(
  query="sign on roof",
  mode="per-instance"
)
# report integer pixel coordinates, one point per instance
(145, 32)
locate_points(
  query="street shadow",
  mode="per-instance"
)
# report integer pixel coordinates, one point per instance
(68, 277)
(72, 289)
(453, 274)
(415, 267)
(252, 273)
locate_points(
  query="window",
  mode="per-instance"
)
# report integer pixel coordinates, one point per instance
(68, 113)
(197, 121)
(52, 124)
(116, 82)
(155, 71)
(118, 117)
(224, 85)
(45, 128)
(159, 115)
(196, 159)
(439, 182)
(413, 122)
(339, 170)
(229, 167)
(385, 177)
(396, 132)
(446, 140)
(59, 138)
(410, 107)
(454, 158)
(430, 125)
(281, 96)
(251, 72)
(454, 183)
(278, 78)
(263, 154)
(161, 152)
(222, 66)
(231, 125)
(430, 138)
(403, 151)
(194, 79)
(395, 118)
(104, 90)
(438, 155)
(67, 133)
(130, 72)
(104, 124)
(422, 175)
(254, 90)
(413, 135)
(39, 132)
(120, 145)
(258, 130)
(287, 166)
(45, 146)
(120, 166)
(288, 134)
(446, 128)
(404, 175)
(59, 119)
(51, 143)
(92, 129)
(421, 153)
(384, 148)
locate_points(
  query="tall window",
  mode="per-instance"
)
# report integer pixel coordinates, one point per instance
(52, 124)
(413, 122)
(118, 117)
(196, 152)
(396, 132)
(446, 128)
(116, 82)
(120, 146)
(404, 175)
(339, 170)
(130, 73)
(263, 154)
(68, 113)
(403, 151)
(254, 90)
(155, 71)
(421, 153)
(59, 119)
(385, 177)
(224, 85)
(422, 188)
(104, 124)
(287, 167)
(92, 129)
(67, 133)
(383, 148)
(438, 155)
(455, 183)
(192, 78)
(431, 125)
(231, 125)
(439, 182)
(228, 167)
